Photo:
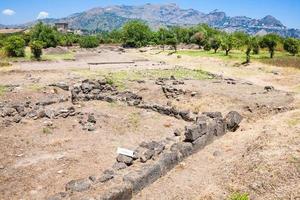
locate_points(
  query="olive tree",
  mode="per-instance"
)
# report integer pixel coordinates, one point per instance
(270, 41)
(228, 43)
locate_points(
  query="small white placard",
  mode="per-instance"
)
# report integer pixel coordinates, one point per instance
(125, 152)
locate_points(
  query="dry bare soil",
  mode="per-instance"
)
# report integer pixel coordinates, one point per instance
(262, 158)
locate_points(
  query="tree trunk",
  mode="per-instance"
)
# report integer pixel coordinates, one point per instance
(272, 54)
(215, 50)
(227, 51)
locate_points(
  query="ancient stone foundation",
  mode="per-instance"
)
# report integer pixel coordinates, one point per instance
(151, 160)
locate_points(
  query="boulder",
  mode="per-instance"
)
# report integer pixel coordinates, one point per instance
(233, 119)
(106, 176)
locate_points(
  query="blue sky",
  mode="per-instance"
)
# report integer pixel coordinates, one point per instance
(20, 11)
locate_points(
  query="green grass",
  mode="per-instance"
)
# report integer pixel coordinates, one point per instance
(3, 90)
(45, 57)
(281, 58)
(238, 196)
(47, 131)
(120, 78)
(35, 87)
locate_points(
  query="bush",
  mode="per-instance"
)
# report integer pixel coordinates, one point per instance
(89, 42)
(45, 33)
(15, 46)
(291, 45)
(36, 49)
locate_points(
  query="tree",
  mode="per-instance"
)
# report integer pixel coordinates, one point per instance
(250, 43)
(270, 41)
(46, 34)
(36, 49)
(240, 39)
(15, 46)
(172, 41)
(136, 34)
(66, 40)
(255, 45)
(228, 43)
(89, 42)
(200, 39)
(291, 45)
(215, 43)
(162, 36)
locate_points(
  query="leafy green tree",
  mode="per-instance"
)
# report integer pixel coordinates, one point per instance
(89, 42)
(270, 41)
(172, 40)
(45, 33)
(162, 36)
(215, 43)
(250, 43)
(36, 49)
(291, 45)
(228, 43)
(136, 34)
(240, 39)
(15, 46)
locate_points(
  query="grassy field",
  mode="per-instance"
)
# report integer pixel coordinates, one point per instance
(45, 57)
(281, 59)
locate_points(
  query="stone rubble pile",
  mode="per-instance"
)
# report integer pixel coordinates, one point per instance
(15, 112)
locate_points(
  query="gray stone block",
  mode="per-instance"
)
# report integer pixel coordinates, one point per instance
(195, 131)
(121, 192)
(168, 160)
(141, 178)
(79, 185)
(185, 148)
(201, 142)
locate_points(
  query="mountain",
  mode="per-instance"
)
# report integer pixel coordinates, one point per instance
(156, 15)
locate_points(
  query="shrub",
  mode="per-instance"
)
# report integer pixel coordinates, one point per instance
(15, 46)
(36, 49)
(89, 42)
(45, 33)
(291, 45)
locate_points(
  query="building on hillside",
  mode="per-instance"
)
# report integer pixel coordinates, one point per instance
(62, 27)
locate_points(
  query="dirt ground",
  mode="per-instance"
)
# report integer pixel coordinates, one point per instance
(262, 158)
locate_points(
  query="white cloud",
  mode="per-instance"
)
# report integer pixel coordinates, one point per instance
(8, 12)
(43, 15)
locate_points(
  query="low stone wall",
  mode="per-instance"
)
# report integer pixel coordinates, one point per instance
(151, 160)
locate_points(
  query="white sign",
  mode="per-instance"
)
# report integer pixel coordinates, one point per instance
(125, 152)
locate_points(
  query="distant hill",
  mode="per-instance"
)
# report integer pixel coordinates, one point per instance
(112, 17)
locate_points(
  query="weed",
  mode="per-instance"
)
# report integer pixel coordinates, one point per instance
(239, 196)
(47, 131)
(35, 87)
(3, 89)
(134, 120)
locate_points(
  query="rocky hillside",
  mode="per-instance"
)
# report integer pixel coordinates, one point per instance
(156, 15)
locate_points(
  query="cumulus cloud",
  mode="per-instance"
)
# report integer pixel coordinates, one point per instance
(43, 15)
(8, 12)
